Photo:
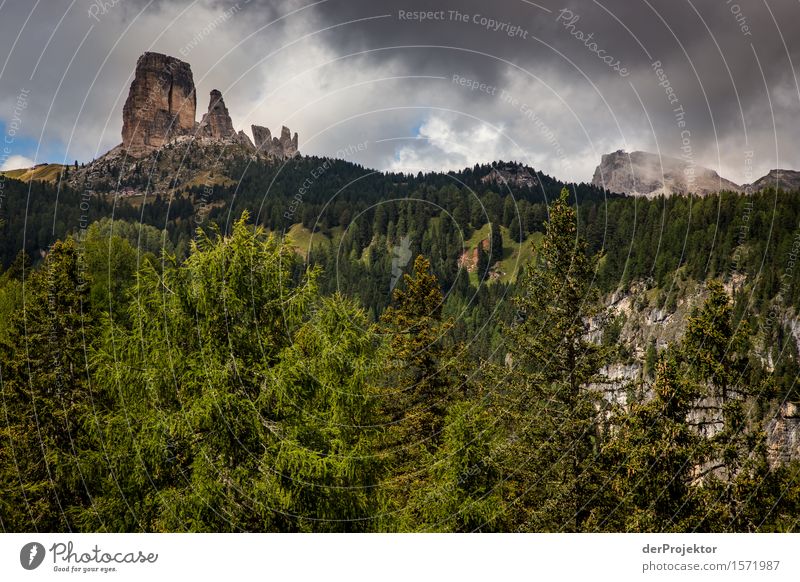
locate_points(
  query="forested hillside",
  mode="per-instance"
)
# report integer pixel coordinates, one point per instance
(320, 347)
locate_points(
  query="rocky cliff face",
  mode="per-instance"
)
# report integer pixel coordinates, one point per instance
(288, 142)
(216, 124)
(161, 108)
(644, 321)
(783, 435)
(646, 174)
(779, 179)
(161, 104)
(283, 147)
(262, 138)
(511, 174)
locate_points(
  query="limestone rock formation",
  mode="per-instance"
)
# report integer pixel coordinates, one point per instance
(161, 104)
(783, 435)
(244, 139)
(262, 138)
(161, 109)
(283, 147)
(511, 174)
(646, 174)
(779, 179)
(288, 143)
(217, 122)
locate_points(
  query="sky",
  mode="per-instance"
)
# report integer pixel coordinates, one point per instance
(424, 85)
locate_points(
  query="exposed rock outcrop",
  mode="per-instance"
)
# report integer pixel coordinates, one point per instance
(161, 109)
(244, 139)
(512, 175)
(646, 174)
(783, 435)
(216, 124)
(161, 104)
(288, 143)
(780, 179)
(469, 258)
(283, 147)
(262, 138)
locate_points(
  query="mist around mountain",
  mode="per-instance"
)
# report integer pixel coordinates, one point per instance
(647, 174)
(219, 334)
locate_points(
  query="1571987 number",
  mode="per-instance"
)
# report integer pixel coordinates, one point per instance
(759, 565)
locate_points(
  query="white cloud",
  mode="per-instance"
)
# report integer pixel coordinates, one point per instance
(445, 147)
(16, 163)
(340, 83)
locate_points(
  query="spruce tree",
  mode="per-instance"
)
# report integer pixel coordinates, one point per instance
(48, 400)
(322, 472)
(465, 492)
(552, 412)
(653, 454)
(418, 380)
(715, 350)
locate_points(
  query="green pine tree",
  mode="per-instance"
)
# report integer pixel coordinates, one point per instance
(716, 352)
(419, 381)
(49, 403)
(552, 413)
(653, 454)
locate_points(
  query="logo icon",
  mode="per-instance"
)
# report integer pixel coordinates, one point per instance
(31, 555)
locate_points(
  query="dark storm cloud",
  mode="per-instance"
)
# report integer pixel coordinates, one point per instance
(555, 84)
(712, 53)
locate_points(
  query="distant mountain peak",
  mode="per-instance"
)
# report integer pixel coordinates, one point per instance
(646, 174)
(161, 108)
(778, 179)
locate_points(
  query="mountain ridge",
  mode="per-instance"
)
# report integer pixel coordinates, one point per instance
(159, 115)
(641, 173)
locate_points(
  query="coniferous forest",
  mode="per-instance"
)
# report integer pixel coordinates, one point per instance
(162, 371)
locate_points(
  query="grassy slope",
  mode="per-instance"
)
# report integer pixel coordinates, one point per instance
(44, 173)
(302, 238)
(515, 254)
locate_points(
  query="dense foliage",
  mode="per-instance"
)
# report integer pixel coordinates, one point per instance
(157, 376)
